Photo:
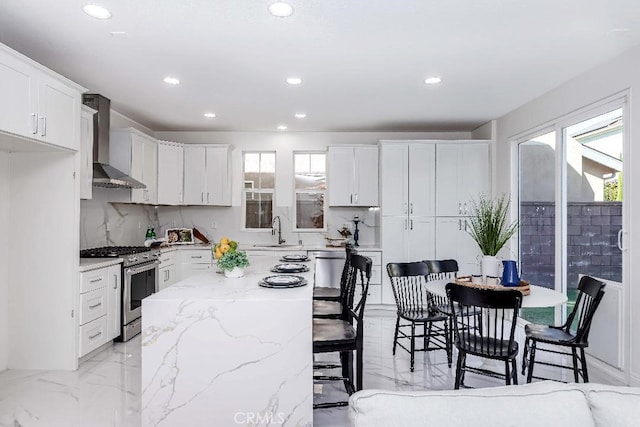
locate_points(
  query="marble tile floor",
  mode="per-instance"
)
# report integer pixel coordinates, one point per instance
(105, 390)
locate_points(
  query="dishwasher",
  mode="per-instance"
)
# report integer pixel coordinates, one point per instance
(329, 266)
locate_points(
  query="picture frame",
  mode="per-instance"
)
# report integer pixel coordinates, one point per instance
(179, 236)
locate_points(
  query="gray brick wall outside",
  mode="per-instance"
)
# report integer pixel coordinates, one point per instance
(592, 231)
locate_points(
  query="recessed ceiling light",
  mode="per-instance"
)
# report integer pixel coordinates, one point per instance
(95, 11)
(294, 80)
(280, 9)
(209, 115)
(171, 80)
(301, 115)
(432, 80)
(118, 33)
(282, 127)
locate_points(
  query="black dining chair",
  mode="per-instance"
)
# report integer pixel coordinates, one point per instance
(574, 333)
(325, 308)
(327, 293)
(489, 336)
(442, 269)
(414, 306)
(341, 335)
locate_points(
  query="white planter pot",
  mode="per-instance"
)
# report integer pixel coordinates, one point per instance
(235, 272)
(490, 266)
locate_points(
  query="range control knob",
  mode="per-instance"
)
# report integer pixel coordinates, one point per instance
(133, 259)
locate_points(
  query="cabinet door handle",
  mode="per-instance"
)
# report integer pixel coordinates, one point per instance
(411, 224)
(34, 123)
(465, 209)
(43, 131)
(95, 336)
(95, 305)
(405, 207)
(196, 256)
(208, 197)
(459, 225)
(356, 198)
(460, 208)
(411, 208)
(405, 224)
(202, 197)
(99, 279)
(115, 281)
(166, 275)
(351, 198)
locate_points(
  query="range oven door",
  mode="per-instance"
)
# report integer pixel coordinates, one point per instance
(140, 281)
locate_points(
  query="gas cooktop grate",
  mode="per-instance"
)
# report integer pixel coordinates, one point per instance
(112, 251)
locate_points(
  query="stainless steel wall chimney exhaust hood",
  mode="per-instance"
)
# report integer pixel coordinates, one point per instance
(105, 175)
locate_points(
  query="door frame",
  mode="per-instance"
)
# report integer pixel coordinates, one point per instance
(618, 100)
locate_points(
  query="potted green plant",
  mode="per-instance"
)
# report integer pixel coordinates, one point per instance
(490, 229)
(233, 263)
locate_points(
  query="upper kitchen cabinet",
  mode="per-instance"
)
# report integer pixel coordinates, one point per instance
(462, 174)
(206, 175)
(86, 152)
(170, 173)
(136, 154)
(353, 175)
(36, 103)
(408, 184)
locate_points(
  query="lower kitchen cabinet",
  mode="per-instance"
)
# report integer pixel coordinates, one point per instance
(167, 269)
(374, 296)
(193, 261)
(99, 307)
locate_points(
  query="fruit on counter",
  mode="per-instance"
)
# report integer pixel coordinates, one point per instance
(225, 245)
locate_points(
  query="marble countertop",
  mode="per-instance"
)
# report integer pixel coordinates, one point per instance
(215, 286)
(88, 264)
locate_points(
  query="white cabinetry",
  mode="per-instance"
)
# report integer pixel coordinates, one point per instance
(426, 187)
(114, 302)
(353, 175)
(206, 175)
(86, 152)
(99, 308)
(462, 174)
(194, 261)
(136, 154)
(170, 173)
(408, 189)
(37, 103)
(454, 242)
(167, 269)
(374, 297)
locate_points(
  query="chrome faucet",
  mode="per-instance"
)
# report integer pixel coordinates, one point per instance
(273, 229)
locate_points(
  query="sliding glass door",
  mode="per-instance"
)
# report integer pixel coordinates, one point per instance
(570, 199)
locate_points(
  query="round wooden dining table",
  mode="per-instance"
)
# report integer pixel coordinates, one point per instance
(538, 298)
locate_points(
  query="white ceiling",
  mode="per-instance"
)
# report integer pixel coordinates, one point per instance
(363, 62)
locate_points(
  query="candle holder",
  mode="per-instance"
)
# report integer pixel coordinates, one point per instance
(356, 232)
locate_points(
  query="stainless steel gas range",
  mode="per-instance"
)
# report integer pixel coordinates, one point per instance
(139, 280)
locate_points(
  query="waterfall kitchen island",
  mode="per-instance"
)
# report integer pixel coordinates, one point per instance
(226, 351)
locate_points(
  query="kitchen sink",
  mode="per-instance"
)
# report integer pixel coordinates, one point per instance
(275, 246)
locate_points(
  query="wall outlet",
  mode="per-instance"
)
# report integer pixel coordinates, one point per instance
(173, 223)
(214, 225)
(139, 225)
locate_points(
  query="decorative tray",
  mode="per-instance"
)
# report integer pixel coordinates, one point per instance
(294, 258)
(524, 286)
(282, 281)
(289, 268)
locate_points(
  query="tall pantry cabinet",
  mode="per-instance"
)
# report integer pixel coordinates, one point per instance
(422, 185)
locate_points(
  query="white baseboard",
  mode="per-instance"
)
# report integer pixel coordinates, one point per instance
(634, 380)
(600, 372)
